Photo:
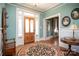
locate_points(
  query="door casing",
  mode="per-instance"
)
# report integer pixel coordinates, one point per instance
(29, 36)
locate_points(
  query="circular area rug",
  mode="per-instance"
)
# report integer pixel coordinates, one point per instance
(38, 49)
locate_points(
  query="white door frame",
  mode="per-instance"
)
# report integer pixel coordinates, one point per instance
(44, 24)
(20, 40)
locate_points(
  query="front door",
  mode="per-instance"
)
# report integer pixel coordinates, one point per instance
(29, 29)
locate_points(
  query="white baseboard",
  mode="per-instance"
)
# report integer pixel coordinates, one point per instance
(39, 39)
(44, 38)
(47, 38)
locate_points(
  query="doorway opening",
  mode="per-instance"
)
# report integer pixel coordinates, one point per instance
(51, 28)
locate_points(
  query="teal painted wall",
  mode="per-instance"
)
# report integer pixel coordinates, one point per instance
(41, 25)
(11, 30)
(64, 10)
(1, 6)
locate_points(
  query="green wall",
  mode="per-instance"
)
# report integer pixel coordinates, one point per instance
(64, 10)
(41, 25)
(11, 22)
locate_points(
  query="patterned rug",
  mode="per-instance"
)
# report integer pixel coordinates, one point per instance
(43, 49)
(38, 50)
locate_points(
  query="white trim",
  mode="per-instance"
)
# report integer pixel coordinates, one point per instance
(58, 14)
(43, 38)
(49, 37)
(44, 23)
(53, 7)
(17, 30)
(29, 7)
(60, 5)
(37, 19)
(59, 27)
(16, 26)
(24, 8)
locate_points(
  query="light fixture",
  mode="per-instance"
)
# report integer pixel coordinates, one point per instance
(74, 27)
(35, 4)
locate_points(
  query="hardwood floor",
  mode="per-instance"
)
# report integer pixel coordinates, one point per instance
(53, 42)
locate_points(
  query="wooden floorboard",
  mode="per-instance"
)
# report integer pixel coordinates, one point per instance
(53, 42)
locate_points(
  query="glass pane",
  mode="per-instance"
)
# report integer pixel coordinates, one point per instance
(27, 25)
(36, 26)
(31, 26)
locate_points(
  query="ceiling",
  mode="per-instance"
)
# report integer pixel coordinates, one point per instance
(40, 6)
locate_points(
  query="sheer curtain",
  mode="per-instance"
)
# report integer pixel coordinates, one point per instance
(56, 26)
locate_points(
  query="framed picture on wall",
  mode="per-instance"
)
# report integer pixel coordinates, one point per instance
(66, 21)
(75, 14)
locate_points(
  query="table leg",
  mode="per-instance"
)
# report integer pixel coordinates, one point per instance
(69, 50)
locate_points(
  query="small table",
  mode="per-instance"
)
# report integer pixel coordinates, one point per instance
(70, 41)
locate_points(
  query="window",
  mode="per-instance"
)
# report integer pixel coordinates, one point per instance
(27, 25)
(31, 26)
